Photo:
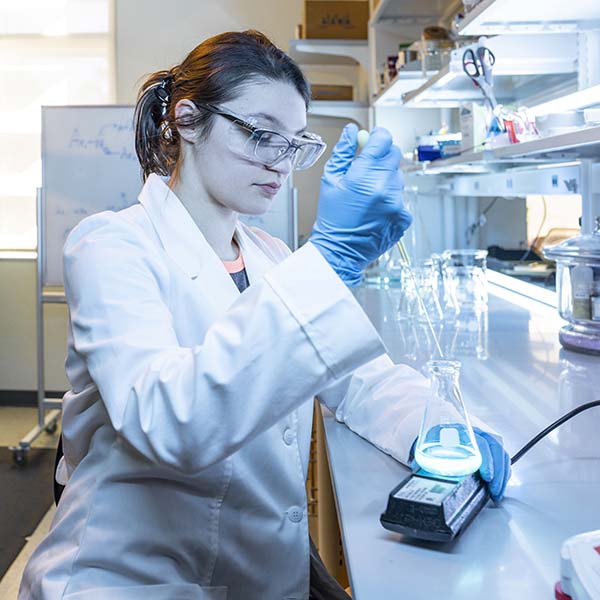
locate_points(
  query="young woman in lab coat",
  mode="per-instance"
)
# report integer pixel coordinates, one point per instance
(187, 429)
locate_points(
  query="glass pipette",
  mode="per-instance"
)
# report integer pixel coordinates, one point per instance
(422, 307)
(362, 139)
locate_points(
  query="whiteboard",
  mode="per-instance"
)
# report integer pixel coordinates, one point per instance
(89, 165)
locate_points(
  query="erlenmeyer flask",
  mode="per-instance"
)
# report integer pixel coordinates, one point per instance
(446, 443)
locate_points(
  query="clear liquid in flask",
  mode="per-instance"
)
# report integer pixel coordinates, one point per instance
(450, 453)
(446, 444)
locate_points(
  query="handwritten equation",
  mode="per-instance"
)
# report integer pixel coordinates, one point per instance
(112, 139)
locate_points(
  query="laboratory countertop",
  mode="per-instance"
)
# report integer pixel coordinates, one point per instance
(521, 382)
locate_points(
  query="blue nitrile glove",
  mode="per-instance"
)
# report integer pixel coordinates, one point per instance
(495, 462)
(361, 214)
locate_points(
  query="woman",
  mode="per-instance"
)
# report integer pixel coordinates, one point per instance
(187, 428)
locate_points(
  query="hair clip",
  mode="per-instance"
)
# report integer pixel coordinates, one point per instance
(163, 93)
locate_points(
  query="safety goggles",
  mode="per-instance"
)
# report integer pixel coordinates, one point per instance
(270, 147)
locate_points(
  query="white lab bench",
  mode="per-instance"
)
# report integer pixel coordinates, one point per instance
(510, 551)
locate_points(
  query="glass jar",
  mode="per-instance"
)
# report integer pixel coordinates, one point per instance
(425, 283)
(447, 300)
(467, 336)
(578, 290)
(408, 305)
(464, 279)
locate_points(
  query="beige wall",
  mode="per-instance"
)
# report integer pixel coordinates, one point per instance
(149, 38)
(154, 34)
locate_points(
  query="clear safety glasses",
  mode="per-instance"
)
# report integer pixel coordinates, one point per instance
(270, 147)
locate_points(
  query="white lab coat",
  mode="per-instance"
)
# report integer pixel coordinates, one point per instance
(187, 429)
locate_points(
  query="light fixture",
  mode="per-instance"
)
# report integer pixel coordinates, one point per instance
(573, 163)
(581, 99)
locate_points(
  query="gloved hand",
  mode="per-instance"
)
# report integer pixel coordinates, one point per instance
(495, 463)
(361, 214)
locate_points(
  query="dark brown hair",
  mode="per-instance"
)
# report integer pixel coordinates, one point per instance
(213, 73)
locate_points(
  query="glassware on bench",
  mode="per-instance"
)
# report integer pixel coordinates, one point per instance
(465, 280)
(446, 444)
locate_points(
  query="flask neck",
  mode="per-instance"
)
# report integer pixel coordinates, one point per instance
(444, 376)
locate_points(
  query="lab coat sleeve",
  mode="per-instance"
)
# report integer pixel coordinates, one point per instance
(282, 340)
(383, 403)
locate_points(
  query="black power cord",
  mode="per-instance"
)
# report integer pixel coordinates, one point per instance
(550, 428)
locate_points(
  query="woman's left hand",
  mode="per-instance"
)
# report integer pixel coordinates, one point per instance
(495, 463)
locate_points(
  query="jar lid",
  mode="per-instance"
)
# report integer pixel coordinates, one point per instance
(580, 246)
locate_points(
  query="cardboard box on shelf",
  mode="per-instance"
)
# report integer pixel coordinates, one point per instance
(336, 19)
(331, 92)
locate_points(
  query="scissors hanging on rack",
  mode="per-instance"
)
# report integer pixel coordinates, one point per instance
(477, 64)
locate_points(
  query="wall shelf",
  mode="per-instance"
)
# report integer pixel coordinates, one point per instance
(580, 144)
(355, 111)
(526, 67)
(413, 13)
(577, 145)
(407, 80)
(312, 51)
(346, 58)
(492, 17)
(469, 162)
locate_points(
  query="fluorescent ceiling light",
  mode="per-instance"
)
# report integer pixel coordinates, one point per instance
(574, 101)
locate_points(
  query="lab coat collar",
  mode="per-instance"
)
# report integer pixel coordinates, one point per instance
(185, 243)
(256, 261)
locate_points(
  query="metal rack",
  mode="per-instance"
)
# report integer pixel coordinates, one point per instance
(49, 409)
